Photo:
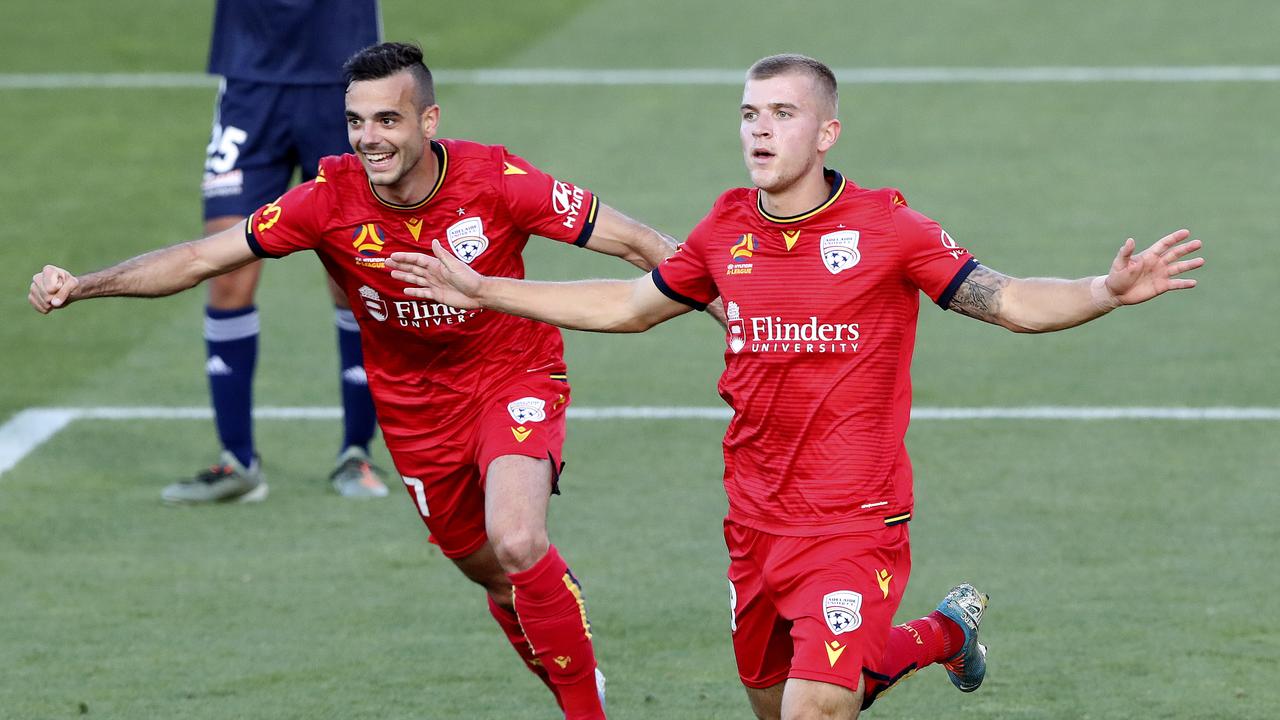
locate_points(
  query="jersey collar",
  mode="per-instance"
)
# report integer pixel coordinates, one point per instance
(442, 159)
(837, 187)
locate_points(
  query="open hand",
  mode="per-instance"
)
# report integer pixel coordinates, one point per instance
(1154, 271)
(443, 278)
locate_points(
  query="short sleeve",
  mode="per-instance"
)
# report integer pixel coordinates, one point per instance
(933, 261)
(685, 277)
(289, 224)
(542, 205)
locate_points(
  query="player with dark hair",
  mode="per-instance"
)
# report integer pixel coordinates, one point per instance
(820, 281)
(277, 111)
(472, 404)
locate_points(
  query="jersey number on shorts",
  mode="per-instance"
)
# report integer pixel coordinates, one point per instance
(224, 148)
(419, 494)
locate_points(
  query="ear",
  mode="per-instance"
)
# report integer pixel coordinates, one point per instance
(828, 133)
(430, 119)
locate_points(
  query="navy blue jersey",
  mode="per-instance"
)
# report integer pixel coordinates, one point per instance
(290, 42)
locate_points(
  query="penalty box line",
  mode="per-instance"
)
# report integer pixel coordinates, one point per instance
(30, 428)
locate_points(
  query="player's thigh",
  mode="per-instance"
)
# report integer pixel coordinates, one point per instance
(517, 492)
(761, 636)
(840, 594)
(319, 124)
(810, 700)
(444, 485)
(249, 159)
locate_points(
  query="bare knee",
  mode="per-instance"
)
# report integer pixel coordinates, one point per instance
(520, 548)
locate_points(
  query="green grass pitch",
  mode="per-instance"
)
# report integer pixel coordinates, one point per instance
(1131, 564)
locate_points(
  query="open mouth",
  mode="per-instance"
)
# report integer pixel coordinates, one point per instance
(761, 154)
(379, 159)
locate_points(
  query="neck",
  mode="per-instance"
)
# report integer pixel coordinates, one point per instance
(807, 193)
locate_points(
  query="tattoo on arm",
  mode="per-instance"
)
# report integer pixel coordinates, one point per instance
(979, 296)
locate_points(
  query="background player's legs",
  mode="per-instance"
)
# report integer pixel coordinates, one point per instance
(231, 341)
(355, 475)
(548, 598)
(231, 351)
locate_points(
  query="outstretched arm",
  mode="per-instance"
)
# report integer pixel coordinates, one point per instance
(618, 235)
(599, 305)
(1048, 304)
(154, 274)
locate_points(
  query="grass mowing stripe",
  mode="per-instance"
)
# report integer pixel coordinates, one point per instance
(705, 76)
(29, 428)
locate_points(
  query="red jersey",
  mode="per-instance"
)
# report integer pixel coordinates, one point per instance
(822, 316)
(429, 364)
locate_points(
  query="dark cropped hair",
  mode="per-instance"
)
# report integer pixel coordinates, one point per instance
(386, 59)
(776, 65)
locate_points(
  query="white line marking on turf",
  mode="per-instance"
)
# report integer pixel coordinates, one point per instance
(29, 428)
(705, 76)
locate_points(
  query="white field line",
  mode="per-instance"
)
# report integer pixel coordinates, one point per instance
(29, 428)
(706, 76)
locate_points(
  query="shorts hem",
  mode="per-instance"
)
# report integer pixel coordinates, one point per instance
(457, 555)
(763, 684)
(828, 678)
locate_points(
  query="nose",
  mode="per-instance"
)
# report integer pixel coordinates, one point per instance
(369, 134)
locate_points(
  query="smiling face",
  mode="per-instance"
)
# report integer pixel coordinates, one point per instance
(788, 124)
(389, 131)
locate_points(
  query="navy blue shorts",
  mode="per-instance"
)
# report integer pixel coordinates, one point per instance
(261, 132)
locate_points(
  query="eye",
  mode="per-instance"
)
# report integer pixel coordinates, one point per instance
(388, 122)
(353, 122)
(784, 114)
(749, 116)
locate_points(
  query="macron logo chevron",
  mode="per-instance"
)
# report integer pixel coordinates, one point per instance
(355, 375)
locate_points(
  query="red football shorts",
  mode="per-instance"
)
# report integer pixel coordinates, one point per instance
(815, 608)
(446, 481)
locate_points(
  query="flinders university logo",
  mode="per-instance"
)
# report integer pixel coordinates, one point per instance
(840, 250)
(374, 303)
(467, 240)
(737, 336)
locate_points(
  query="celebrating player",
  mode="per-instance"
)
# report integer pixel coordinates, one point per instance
(820, 281)
(472, 403)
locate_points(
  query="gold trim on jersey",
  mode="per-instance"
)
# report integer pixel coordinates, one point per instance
(837, 188)
(897, 519)
(442, 155)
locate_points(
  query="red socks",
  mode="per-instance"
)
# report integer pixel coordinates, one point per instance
(554, 619)
(510, 625)
(933, 638)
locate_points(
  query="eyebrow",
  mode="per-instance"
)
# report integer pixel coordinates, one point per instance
(774, 106)
(378, 115)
